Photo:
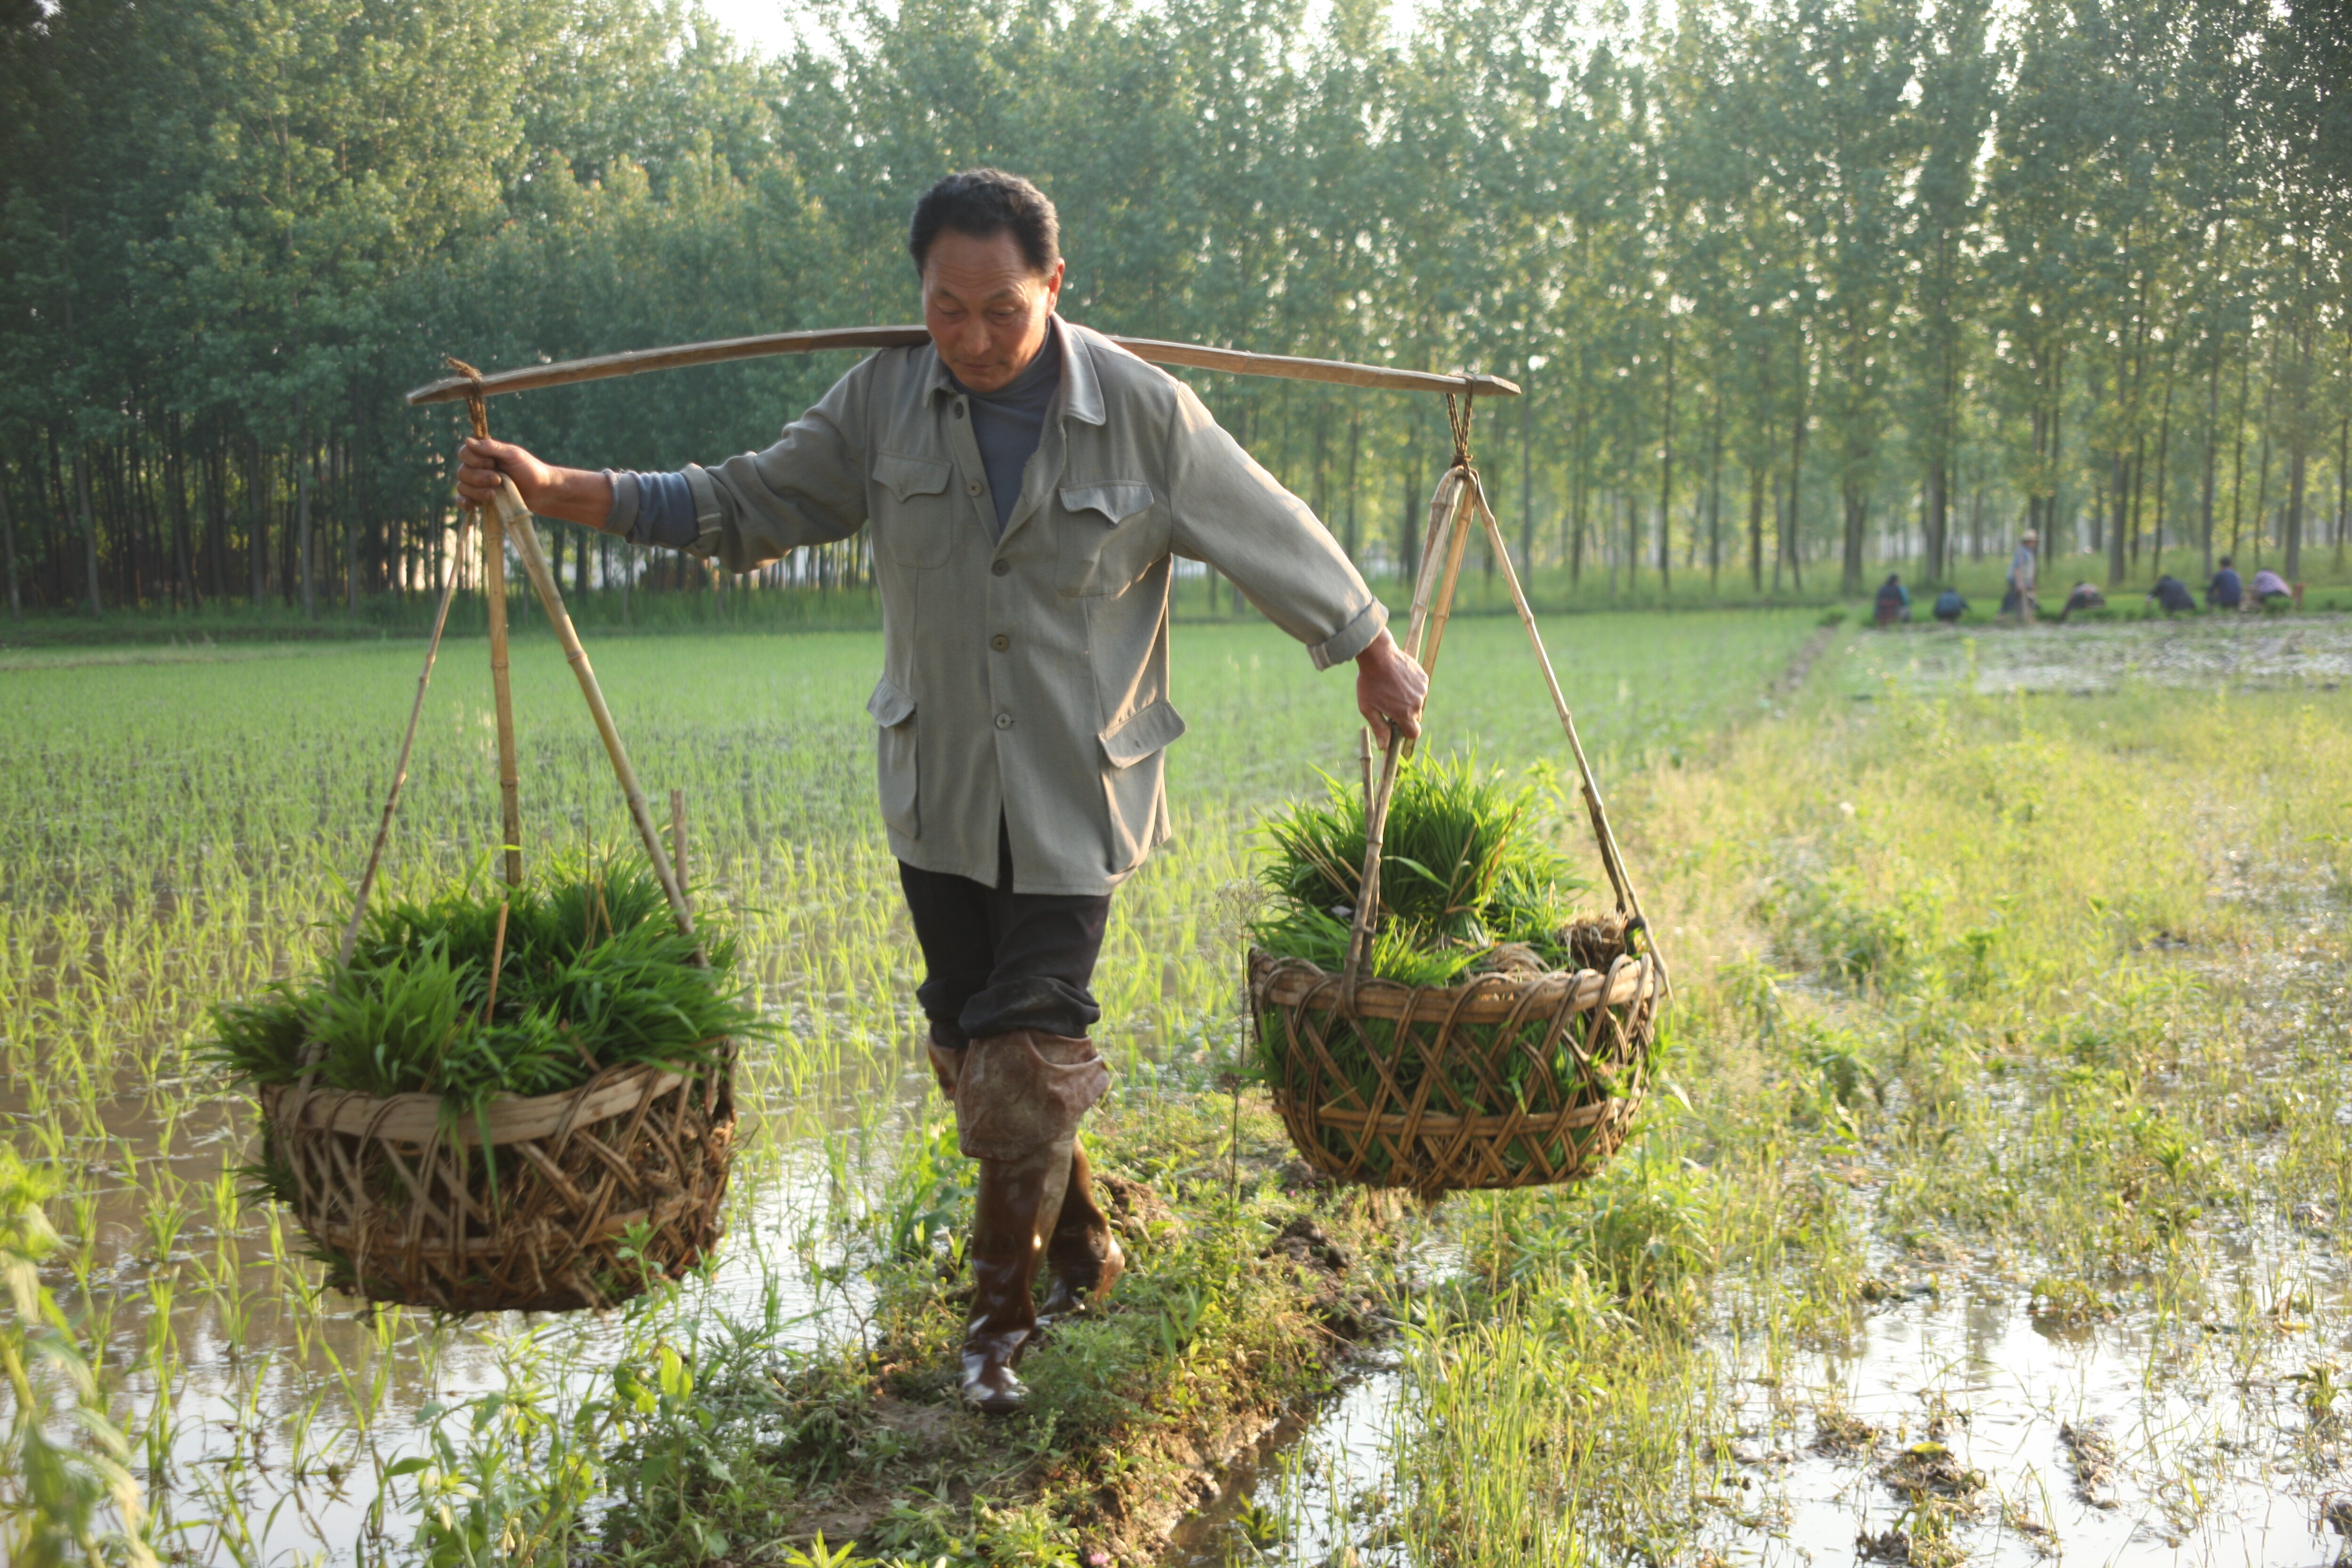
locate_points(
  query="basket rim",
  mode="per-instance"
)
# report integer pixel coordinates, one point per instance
(512, 1118)
(1289, 982)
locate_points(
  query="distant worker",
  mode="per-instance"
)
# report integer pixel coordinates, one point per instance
(2172, 596)
(2082, 597)
(2271, 590)
(2020, 578)
(1950, 607)
(1894, 601)
(2225, 592)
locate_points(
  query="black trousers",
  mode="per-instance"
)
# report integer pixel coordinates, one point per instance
(1001, 960)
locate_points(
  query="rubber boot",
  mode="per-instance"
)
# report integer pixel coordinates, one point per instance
(947, 1047)
(1020, 1203)
(1082, 1250)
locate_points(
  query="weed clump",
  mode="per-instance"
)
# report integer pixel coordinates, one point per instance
(588, 972)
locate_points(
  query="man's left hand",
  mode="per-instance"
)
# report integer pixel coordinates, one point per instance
(1390, 690)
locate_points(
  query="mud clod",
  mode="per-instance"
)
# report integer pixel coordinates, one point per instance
(2094, 1457)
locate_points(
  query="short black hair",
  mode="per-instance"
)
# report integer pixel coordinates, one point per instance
(982, 203)
(2225, 561)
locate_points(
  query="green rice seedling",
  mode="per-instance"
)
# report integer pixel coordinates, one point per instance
(590, 975)
(1459, 877)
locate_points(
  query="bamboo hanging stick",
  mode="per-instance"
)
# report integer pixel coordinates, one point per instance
(400, 764)
(507, 502)
(1432, 587)
(1627, 899)
(637, 361)
(494, 592)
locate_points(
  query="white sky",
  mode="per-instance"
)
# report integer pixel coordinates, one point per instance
(767, 26)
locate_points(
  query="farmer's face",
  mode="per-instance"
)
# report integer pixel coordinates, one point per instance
(985, 307)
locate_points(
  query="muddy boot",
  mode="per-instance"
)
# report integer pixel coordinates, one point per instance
(1020, 1201)
(1083, 1252)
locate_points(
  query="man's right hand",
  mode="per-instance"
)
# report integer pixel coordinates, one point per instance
(583, 495)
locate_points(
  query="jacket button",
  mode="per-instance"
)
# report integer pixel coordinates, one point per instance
(999, 642)
(1004, 720)
(958, 410)
(972, 488)
(1002, 567)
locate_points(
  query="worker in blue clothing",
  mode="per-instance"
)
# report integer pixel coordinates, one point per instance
(2227, 591)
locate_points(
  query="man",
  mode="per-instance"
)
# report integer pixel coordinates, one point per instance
(1950, 607)
(1027, 484)
(2083, 595)
(2021, 577)
(2172, 596)
(1894, 601)
(2271, 590)
(2227, 591)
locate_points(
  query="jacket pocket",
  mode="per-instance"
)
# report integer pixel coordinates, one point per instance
(912, 517)
(1111, 534)
(1133, 780)
(894, 761)
(1150, 728)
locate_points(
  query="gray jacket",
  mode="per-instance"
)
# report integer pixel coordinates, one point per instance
(1029, 677)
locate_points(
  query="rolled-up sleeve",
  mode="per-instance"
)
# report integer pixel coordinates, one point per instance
(1232, 514)
(809, 487)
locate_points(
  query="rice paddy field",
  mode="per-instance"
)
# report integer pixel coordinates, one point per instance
(1991, 1214)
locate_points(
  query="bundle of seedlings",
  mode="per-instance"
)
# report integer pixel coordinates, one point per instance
(508, 1096)
(1495, 1036)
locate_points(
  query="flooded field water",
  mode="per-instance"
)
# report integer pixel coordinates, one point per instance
(2210, 653)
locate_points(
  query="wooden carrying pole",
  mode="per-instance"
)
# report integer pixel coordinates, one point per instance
(507, 504)
(637, 361)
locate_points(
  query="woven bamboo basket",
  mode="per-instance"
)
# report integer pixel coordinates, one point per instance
(581, 1199)
(546, 1202)
(1568, 1053)
(1519, 1078)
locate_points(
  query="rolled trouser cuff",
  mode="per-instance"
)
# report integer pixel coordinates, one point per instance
(1021, 1091)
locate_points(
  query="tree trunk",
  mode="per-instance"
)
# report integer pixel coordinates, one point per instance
(2293, 542)
(304, 545)
(256, 540)
(2238, 456)
(1938, 519)
(9, 549)
(2212, 447)
(1527, 486)
(89, 531)
(1355, 451)
(2163, 459)
(1756, 527)
(1793, 543)
(2121, 468)
(1714, 500)
(2343, 485)
(1666, 473)
(1857, 513)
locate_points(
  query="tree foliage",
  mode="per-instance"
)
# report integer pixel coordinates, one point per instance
(1789, 281)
